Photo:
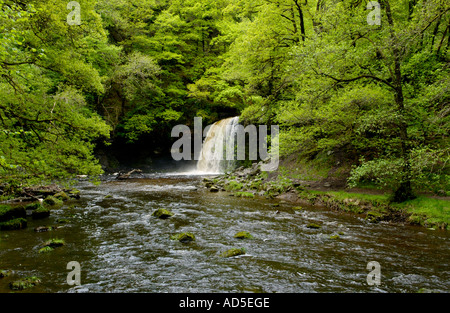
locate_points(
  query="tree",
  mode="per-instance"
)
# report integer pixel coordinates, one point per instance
(346, 54)
(47, 128)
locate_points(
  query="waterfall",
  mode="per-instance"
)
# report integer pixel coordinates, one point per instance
(212, 156)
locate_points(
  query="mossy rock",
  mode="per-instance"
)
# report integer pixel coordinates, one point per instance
(33, 206)
(54, 243)
(74, 193)
(374, 216)
(62, 196)
(233, 252)
(24, 283)
(52, 200)
(334, 236)
(40, 213)
(243, 235)
(62, 221)
(162, 214)
(214, 189)
(313, 226)
(46, 249)
(17, 223)
(5, 273)
(183, 237)
(8, 213)
(426, 290)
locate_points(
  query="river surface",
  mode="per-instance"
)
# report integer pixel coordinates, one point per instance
(121, 248)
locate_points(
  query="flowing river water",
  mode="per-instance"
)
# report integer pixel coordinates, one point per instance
(121, 247)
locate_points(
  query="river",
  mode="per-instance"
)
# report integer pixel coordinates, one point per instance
(121, 247)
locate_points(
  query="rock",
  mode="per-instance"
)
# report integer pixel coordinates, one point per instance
(51, 200)
(46, 249)
(214, 189)
(54, 243)
(162, 214)
(17, 223)
(243, 235)
(183, 237)
(8, 213)
(62, 196)
(5, 273)
(122, 176)
(41, 229)
(374, 216)
(74, 193)
(232, 252)
(40, 213)
(24, 283)
(313, 226)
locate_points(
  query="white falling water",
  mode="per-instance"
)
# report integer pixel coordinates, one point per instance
(212, 157)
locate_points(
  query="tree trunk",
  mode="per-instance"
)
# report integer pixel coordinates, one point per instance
(404, 191)
(302, 20)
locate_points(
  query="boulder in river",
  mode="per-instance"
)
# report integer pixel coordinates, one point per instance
(183, 237)
(313, 226)
(54, 243)
(243, 235)
(5, 273)
(40, 213)
(162, 214)
(374, 216)
(51, 200)
(233, 252)
(24, 283)
(17, 223)
(8, 212)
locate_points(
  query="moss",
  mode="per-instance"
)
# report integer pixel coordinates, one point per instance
(46, 249)
(233, 252)
(8, 213)
(162, 214)
(62, 196)
(51, 200)
(183, 237)
(41, 212)
(24, 283)
(33, 206)
(313, 226)
(5, 273)
(243, 235)
(245, 194)
(334, 236)
(17, 223)
(54, 243)
(233, 186)
(374, 216)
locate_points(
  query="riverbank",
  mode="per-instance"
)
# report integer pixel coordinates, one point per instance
(375, 207)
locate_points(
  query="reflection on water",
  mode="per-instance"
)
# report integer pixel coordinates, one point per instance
(122, 248)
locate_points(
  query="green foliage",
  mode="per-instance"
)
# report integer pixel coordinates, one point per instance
(244, 194)
(47, 130)
(343, 91)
